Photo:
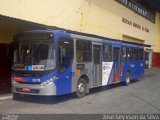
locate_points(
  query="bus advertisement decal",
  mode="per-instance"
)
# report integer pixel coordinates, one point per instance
(106, 72)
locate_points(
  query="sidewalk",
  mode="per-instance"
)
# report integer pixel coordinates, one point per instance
(6, 96)
(151, 69)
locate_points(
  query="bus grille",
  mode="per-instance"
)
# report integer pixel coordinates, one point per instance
(31, 90)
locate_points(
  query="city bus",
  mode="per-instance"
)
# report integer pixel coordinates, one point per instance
(57, 62)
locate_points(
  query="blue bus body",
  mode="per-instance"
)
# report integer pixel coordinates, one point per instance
(58, 83)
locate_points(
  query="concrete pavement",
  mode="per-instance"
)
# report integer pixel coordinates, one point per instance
(142, 96)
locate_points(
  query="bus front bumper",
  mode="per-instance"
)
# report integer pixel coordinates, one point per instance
(34, 89)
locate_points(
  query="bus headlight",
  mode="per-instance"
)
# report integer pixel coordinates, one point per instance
(14, 82)
(48, 81)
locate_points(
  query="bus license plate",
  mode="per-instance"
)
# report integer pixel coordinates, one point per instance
(26, 89)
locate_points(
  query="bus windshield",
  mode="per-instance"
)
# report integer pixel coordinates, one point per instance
(34, 55)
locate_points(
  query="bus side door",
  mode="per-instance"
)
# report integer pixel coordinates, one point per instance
(117, 64)
(65, 60)
(97, 65)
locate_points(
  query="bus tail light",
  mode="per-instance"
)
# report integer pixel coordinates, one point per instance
(17, 79)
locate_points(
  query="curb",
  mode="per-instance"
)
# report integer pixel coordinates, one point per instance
(151, 69)
(6, 97)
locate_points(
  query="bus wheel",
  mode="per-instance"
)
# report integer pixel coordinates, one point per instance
(128, 79)
(81, 88)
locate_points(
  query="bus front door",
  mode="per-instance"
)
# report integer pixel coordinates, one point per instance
(97, 81)
(116, 58)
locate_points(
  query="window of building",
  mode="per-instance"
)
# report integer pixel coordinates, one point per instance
(107, 53)
(135, 55)
(138, 9)
(125, 2)
(83, 51)
(141, 54)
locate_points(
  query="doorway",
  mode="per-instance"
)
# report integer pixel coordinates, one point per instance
(97, 65)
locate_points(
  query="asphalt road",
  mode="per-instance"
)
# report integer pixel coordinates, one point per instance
(142, 96)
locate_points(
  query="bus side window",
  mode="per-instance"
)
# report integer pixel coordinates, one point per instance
(83, 51)
(107, 53)
(130, 54)
(124, 54)
(65, 48)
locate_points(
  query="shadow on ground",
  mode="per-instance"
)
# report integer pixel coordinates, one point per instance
(61, 98)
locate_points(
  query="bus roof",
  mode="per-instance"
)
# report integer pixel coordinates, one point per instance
(86, 34)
